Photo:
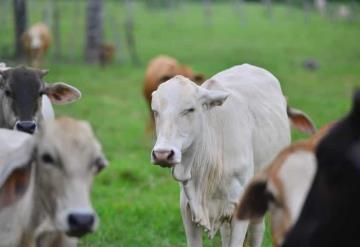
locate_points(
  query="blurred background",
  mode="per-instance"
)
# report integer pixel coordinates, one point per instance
(103, 47)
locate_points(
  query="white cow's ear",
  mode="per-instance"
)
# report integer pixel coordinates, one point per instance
(15, 171)
(211, 98)
(62, 93)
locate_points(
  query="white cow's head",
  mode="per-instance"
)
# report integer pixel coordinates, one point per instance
(61, 160)
(179, 107)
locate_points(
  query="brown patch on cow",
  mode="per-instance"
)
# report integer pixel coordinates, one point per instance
(15, 186)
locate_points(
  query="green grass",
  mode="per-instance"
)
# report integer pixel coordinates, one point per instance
(138, 203)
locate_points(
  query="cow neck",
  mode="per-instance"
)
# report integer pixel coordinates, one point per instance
(206, 170)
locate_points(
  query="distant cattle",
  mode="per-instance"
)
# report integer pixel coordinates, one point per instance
(45, 184)
(281, 188)
(25, 98)
(330, 216)
(107, 53)
(161, 69)
(214, 137)
(36, 42)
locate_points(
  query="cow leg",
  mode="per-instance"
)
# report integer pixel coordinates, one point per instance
(193, 233)
(256, 233)
(238, 232)
(225, 232)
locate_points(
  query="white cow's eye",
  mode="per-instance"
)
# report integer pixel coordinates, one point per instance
(187, 111)
(100, 163)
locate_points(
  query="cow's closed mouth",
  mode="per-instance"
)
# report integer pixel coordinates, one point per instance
(77, 233)
(165, 164)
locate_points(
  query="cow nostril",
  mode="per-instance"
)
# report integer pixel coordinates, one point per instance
(171, 155)
(153, 154)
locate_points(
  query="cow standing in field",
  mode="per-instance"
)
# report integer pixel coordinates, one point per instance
(330, 215)
(25, 99)
(215, 137)
(36, 41)
(282, 187)
(161, 69)
(45, 184)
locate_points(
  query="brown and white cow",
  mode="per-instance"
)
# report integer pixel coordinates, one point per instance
(45, 184)
(161, 69)
(36, 41)
(282, 187)
(330, 216)
(25, 98)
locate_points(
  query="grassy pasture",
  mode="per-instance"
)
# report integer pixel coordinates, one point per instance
(138, 202)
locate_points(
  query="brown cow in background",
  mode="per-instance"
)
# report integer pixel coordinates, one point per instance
(161, 69)
(36, 41)
(107, 53)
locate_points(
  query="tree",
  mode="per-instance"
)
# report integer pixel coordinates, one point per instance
(20, 19)
(207, 12)
(94, 30)
(129, 32)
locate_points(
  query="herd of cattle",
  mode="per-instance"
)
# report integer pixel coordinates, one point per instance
(37, 39)
(226, 140)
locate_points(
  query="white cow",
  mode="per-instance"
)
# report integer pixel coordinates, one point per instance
(215, 137)
(45, 184)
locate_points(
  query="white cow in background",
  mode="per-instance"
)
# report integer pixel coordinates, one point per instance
(215, 137)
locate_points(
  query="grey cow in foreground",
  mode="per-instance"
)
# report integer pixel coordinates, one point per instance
(45, 184)
(25, 99)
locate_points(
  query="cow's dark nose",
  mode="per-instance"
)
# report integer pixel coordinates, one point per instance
(163, 156)
(80, 224)
(26, 126)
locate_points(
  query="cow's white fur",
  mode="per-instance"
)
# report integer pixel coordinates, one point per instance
(47, 109)
(218, 149)
(297, 174)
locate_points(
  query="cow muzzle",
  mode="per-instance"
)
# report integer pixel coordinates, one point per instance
(26, 126)
(80, 224)
(164, 157)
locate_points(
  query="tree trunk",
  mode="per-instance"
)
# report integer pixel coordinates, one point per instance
(268, 8)
(207, 12)
(20, 19)
(94, 30)
(56, 30)
(129, 32)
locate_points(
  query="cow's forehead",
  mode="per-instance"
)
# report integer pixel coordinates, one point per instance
(175, 92)
(69, 135)
(24, 78)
